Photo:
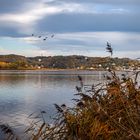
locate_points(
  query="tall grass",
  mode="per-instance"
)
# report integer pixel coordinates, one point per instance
(109, 111)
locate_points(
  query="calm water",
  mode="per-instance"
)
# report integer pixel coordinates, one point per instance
(25, 92)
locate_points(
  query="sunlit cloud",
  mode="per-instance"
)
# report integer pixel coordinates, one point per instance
(26, 17)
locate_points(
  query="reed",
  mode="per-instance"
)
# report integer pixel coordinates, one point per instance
(109, 111)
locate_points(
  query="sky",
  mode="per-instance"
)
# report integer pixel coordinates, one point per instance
(80, 27)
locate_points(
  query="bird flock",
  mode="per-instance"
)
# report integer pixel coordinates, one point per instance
(43, 37)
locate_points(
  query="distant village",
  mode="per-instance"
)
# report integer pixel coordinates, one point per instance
(17, 62)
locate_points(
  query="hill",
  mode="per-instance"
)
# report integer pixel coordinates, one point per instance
(12, 58)
(66, 62)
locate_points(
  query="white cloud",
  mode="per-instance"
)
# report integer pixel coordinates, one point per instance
(25, 52)
(27, 17)
(90, 43)
(80, 43)
(119, 10)
(128, 54)
(4, 51)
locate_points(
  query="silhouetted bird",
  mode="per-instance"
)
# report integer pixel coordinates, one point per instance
(109, 48)
(39, 36)
(32, 34)
(44, 39)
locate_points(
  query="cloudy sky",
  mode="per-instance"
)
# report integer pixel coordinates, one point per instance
(80, 27)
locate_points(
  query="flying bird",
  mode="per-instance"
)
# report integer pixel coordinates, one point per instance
(45, 37)
(109, 48)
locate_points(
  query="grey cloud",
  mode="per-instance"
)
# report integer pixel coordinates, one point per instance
(120, 2)
(13, 6)
(10, 32)
(10, 29)
(89, 22)
(72, 22)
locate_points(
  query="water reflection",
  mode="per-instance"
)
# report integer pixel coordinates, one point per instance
(25, 92)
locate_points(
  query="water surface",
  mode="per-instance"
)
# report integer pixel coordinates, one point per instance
(25, 92)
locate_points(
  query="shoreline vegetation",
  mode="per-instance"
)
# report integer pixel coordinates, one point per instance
(74, 62)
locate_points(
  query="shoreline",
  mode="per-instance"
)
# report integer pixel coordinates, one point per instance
(129, 70)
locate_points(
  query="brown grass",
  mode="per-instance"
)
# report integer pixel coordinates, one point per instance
(103, 112)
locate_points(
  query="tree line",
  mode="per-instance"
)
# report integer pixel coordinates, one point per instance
(65, 62)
